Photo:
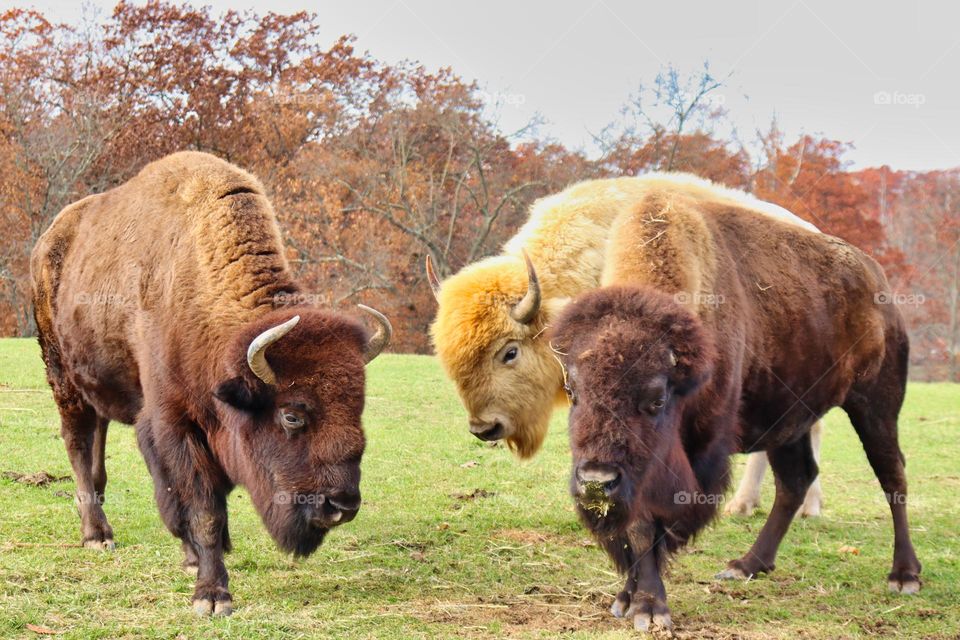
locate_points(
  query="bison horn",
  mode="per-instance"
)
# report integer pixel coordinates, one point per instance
(673, 358)
(379, 341)
(526, 310)
(257, 351)
(433, 279)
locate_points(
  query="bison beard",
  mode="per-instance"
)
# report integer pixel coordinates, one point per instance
(293, 533)
(660, 397)
(167, 303)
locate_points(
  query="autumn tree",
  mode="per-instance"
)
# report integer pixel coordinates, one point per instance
(922, 217)
(422, 173)
(372, 167)
(810, 178)
(56, 124)
(672, 126)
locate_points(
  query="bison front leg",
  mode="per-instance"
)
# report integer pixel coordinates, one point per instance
(644, 598)
(190, 490)
(648, 602)
(624, 557)
(621, 552)
(210, 596)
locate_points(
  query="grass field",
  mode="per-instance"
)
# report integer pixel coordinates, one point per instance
(457, 538)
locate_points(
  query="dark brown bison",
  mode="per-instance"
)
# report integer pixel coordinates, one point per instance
(167, 303)
(664, 391)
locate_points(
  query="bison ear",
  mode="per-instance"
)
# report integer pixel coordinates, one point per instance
(239, 394)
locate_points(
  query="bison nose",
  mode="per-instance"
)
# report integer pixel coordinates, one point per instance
(487, 431)
(336, 508)
(606, 475)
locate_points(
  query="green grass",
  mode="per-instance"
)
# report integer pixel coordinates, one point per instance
(425, 560)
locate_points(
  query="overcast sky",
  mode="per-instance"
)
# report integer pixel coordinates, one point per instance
(881, 74)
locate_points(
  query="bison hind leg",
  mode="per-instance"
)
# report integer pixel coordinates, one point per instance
(795, 468)
(84, 435)
(873, 409)
(813, 503)
(747, 497)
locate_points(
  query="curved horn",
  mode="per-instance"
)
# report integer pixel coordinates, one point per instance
(433, 279)
(379, 341)
(257, 351)
(526, 310)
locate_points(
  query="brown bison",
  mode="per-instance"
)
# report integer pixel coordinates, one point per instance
(167, 303)
(489, 329)
(661, 397)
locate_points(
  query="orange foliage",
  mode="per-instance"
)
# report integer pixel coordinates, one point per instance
(373, 167)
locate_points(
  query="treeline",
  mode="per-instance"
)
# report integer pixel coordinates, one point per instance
(371, 167)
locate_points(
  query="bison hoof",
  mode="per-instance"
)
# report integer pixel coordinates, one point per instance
(216, 602)
(909, 588)
(620, 605)
(648, 622)
(740, 507)
(810, 508)
(206, 607)
(745, 568)
(100, 545)
(733, 573)
(651, 615)
(905, 582)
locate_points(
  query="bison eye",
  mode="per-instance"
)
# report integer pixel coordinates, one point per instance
(571, 394)
(291, 421)
(510, 354)
(656, 406)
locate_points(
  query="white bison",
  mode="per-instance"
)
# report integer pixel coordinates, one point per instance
(492, 315)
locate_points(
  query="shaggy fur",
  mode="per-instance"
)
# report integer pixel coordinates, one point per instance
(776, 326)
(566, 236)
(147, 297)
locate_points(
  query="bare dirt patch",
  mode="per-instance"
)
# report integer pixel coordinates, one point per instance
(476, 494)
(529, 536)
(547, 610)
(526, 536)
(38, 479)
(534, 611)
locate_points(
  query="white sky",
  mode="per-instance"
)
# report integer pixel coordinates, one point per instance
(817, 64)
